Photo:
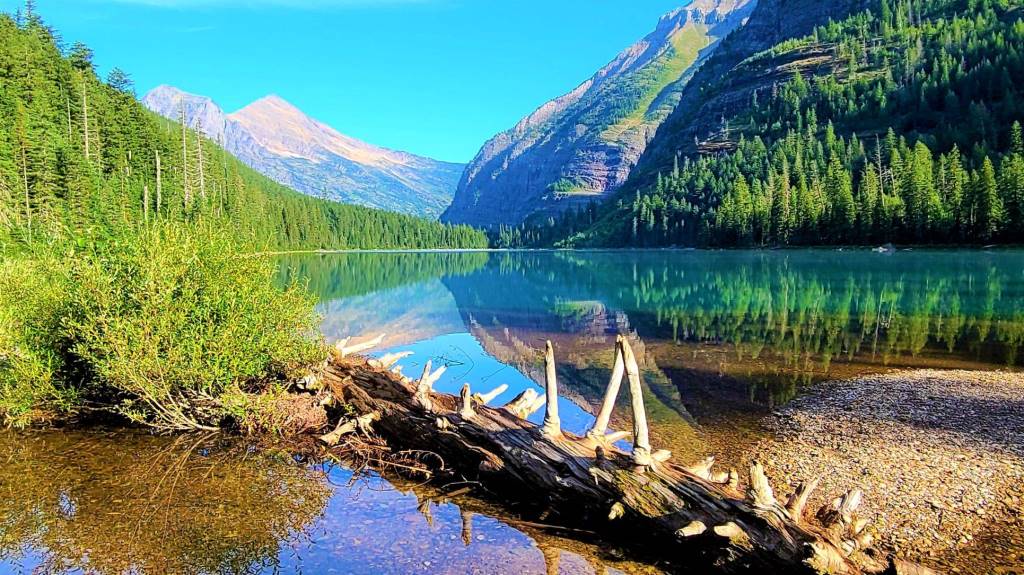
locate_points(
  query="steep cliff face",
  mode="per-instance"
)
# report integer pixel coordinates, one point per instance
(725, 85)
(581, 146)
(280, 141)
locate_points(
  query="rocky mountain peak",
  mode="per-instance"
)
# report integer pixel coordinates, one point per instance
(201, 113)
(272, 105)
(281, 141)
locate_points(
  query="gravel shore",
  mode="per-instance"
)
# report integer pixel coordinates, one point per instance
(939, 455)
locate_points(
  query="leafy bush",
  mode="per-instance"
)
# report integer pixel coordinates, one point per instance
(169, 328)
(32, 299)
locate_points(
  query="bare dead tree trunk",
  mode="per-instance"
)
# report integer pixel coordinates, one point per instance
(67, 100)
(682, 511)
(184, 159)
(202, 175)
(24, 179)
(159, 189)
(85, 120)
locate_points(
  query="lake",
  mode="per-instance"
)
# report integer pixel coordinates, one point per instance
(722, 338)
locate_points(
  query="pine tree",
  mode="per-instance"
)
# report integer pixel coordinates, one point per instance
(989, 208)
(844, 210)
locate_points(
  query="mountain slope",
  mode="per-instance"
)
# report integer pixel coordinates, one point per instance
(719, 90)
(279, 140)
(897, 122)
(580, 146)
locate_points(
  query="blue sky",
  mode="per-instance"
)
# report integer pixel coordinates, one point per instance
(434, 77)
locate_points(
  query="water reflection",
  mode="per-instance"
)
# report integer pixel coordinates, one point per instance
(128, 502)
(721, 336)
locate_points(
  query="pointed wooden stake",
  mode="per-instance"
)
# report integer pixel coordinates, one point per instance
(693, 528)
(734, 533)
(520, 404)
(641, 437)
(600, 427)
(798, 501)
(426, 384)
(467, 403)
(760, 493)
(702, 468)
(661, 455)
(345, 350)
(534, 407)
(363, 424)
(389, 359)
(552, 425)
(617, 510)
(616, 436)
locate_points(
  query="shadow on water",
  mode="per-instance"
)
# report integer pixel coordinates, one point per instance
(128, 502)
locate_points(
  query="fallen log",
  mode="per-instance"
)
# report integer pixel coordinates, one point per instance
(688, 511)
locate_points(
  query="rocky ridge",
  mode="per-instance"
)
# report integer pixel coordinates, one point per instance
(280, 141)
(581, 146)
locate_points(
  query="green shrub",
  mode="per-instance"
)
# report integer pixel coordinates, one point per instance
(167, 328)
(32, 300)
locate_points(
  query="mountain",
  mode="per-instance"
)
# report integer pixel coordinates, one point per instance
(279, 140)
(843, 122)
(723, 85)
(580, 146)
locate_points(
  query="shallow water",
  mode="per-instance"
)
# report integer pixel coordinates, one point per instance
(128, 502)
(722, 338)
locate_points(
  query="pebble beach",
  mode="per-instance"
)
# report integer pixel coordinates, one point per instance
(938, 454)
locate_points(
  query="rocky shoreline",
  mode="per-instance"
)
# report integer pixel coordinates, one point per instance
(939, 455)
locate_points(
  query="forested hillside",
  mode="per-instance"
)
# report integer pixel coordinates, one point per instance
(82, 158)
(900, 123)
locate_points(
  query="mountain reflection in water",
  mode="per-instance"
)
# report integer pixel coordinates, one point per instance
(722, 337)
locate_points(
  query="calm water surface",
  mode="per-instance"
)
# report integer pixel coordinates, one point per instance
(127, 502)
(722, 338)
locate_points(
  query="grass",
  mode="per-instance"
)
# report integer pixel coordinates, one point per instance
(686, 46)
(169, 328)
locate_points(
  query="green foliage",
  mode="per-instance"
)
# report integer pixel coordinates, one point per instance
(563, 186)
(82, 160)
(32, 301)
(169, 328)
(910, 133)
(778, 317)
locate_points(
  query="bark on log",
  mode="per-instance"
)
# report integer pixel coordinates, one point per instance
(602, 488)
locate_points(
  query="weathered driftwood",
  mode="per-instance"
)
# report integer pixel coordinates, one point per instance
(692, 512)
